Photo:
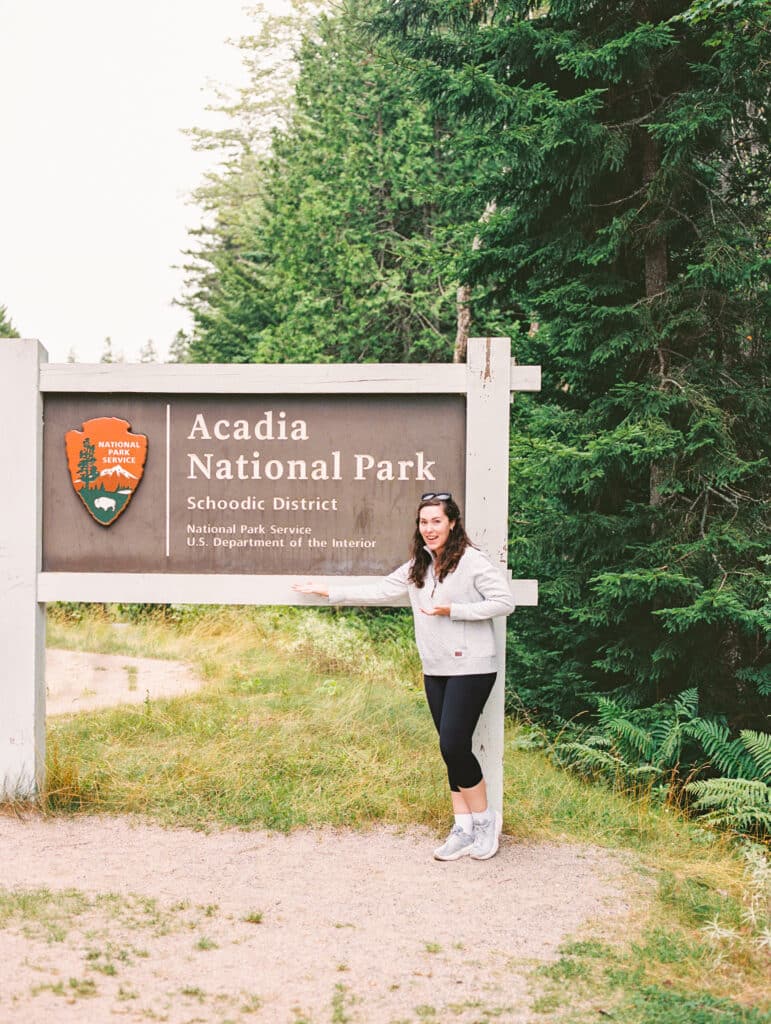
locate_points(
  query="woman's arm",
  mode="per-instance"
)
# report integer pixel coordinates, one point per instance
(310, 588)
(496, 595)
(386, 589)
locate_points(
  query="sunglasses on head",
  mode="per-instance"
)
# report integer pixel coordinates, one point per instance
(441, 495)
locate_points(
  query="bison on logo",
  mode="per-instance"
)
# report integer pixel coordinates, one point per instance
(106, 462)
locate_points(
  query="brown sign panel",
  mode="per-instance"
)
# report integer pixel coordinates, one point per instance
(274, 485)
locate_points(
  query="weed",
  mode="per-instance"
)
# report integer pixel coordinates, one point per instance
(253, 917)
(432, 947)
(565, 969)
(41, 911)
(656, 1005)
(82, 987)
(193, 992)
(588, 948)
(205, 943)
(547, 1003)
(251, 1004)
(339, 999)
(57, 988)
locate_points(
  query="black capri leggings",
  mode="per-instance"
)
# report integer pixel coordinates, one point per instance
(456, 703)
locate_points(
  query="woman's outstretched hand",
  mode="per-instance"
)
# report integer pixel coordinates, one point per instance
(309, 587)
(439, 609)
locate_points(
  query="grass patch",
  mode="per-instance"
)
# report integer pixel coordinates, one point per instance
(51, 915)
(41, 912)
(267, 742)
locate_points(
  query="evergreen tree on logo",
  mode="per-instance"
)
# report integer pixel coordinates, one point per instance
(87, 468)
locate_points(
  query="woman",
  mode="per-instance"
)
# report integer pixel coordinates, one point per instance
(455, 592)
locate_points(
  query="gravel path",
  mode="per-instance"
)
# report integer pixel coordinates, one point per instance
(345, 926)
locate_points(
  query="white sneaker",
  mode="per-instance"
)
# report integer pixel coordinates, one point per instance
(457, 844)
(486, 837)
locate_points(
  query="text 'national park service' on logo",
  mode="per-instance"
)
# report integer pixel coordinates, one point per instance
(106, 462)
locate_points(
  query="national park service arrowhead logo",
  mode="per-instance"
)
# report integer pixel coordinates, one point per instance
(106, 462)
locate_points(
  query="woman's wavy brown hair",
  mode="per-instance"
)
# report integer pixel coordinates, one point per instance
(456, 544)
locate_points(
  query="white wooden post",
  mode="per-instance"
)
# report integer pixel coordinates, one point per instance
(22, 617)
(487, 507)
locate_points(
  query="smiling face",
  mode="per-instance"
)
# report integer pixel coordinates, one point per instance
(434, 527)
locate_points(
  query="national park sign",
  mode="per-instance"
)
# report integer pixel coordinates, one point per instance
(106, 462)
(252, 477)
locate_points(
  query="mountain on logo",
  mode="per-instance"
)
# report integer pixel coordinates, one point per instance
(116, 478)
(106, 462)
(117, 471)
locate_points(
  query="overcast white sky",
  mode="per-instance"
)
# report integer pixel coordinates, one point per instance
(95, 174)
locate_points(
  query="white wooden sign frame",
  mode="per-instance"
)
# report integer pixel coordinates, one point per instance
(487, 380)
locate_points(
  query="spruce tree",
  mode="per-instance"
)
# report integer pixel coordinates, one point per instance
(333, 247)
(87, 467)
(625, 148)
(7, 330)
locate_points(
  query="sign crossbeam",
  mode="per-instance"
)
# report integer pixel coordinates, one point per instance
(270, 379)
(190, 588)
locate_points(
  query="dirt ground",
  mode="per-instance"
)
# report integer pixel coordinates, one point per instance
(105, 918)
(78, 681)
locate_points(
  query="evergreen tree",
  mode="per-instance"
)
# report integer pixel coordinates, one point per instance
(148, 353)
(87, 468)
(334, 247)
(625, 149)
(179, 349)
(107, 355)
(7, 330)
(223, 293)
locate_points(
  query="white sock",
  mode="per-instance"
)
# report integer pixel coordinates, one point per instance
(466, 822)
(482, 816)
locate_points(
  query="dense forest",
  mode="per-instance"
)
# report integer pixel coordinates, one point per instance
(590, 178)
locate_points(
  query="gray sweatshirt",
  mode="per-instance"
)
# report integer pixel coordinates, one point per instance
(458, 645)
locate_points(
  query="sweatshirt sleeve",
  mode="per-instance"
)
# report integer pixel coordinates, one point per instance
(385, 589)
(496, 595)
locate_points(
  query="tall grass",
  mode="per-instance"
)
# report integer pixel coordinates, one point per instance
(282, 734)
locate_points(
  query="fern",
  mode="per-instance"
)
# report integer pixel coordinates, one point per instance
(758, 745)
(729, 756)
(669, 743)
(647, 746)
(743, 805)
(633, 739)
(588, 759)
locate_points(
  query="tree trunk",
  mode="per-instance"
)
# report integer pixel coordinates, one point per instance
(462, 300)
(463, 297)
(656, 275)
